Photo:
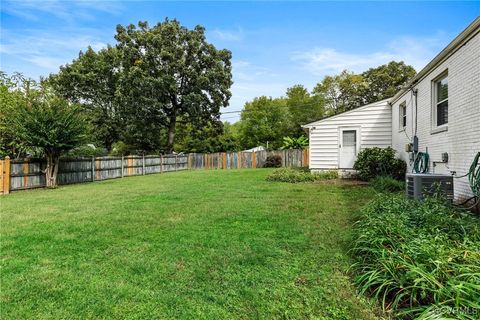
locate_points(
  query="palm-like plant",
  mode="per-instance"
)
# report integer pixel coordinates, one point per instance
(295, 143)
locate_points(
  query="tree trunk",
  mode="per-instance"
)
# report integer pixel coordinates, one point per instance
(171, 134)
(51, 171)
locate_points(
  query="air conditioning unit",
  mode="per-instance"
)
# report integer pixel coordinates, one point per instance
(420, 185)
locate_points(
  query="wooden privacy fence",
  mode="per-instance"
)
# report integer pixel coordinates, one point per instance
(29, 173)
(239, 160)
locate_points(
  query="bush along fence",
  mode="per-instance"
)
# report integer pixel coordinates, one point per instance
(29, 173)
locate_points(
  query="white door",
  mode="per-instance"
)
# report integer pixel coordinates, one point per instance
(348, 148)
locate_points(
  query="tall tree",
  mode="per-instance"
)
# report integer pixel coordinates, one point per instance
(92, 80)
(386, 80)
(263, 120)
(15, 91)
(213, 137)
(302, 108)
(341, 92)
(171, 72)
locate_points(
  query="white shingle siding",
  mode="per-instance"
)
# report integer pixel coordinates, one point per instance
(374, 120)
(462, 140)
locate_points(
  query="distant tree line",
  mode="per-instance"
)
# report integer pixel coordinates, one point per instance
(267, 119)
(160, 89)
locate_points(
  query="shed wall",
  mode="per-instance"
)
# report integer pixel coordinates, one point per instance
(375, 122)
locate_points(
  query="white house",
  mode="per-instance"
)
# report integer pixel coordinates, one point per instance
(440, 106)
(335, 141)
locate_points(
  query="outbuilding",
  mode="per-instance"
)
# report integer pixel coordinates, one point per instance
(336, 141)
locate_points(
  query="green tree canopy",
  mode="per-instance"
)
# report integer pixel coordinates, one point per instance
(386, 80)
(302, 108)
(51, 124)
(213, 137)
(263, 120)
(171, 72)
(341, 92)
(92, 80)
(13, 93)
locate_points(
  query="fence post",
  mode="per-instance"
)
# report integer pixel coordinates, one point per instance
(254, 159)
(122, 165)
(130, 165)
(176, 162)
(143, 164)
(161, 164)
(25, 174)
(6, 175)
(93, 169)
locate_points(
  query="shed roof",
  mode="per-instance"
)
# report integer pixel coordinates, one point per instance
(317, 122)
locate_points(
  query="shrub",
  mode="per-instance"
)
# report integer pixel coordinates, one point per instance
(372, 162)
(295, 175)
(290, 175)
(419, 259)
(273, 161)
(326, 175)
(387, 184)
(86, 151)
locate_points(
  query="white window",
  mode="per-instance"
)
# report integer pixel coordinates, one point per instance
(402, 115)
(440, 112)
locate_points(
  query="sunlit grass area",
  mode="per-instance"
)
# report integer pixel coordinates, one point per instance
(190, 245)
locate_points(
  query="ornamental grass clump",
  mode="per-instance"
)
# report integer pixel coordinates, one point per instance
(421, 260)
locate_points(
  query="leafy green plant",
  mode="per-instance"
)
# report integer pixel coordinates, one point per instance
(87, 150)
(387, 184)
(372, 162)
(295, 175)
(53, 125)
(419, 259)
(273, 161)
(326, 175)
(295, 143)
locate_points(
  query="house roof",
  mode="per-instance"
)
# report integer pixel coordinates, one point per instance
(457, 43)
(308, 125)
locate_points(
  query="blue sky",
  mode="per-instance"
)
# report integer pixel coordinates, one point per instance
(274, 44)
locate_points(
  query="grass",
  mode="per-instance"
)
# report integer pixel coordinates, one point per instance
(198, 244)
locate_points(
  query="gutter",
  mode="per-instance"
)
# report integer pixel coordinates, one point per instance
(466, 35)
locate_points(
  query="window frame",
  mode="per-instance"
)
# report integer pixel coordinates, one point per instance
(435, 127)
(402, 114)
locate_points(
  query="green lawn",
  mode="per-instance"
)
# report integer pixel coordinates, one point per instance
(189, 245)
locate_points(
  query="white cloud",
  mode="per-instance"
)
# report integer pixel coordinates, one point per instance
(64, 10)
(414, 51)
(45, 62)
(228, 35)
(47, 50)
(249, 81)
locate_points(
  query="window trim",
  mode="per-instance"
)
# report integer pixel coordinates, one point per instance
(401, 106)
(434, 127)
